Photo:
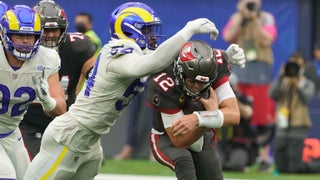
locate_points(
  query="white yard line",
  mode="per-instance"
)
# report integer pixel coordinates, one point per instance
(137, 177)
(131, 177)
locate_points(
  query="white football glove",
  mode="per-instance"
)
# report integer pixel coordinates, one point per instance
(42, 90)
(201, 26)
(236, 55)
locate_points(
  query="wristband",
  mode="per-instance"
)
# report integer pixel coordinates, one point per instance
(49, 104)
(210, 119)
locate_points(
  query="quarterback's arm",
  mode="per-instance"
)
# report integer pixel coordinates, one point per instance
(227, 114)
(190, 122)
(186, 140)
(56, 92)
(228, 104)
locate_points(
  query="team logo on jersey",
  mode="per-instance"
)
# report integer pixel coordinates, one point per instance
(14, 76)
(41, 67)
(181, 99)
(156, 99)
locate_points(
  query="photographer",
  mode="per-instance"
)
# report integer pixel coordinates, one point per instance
(292, 92)
(254, 30)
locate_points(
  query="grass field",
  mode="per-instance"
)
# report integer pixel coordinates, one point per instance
(146, 167)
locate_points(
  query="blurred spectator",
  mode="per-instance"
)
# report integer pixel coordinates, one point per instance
(237, 145)
(255, 31)
(83, 23)
(292, 92)
(312, 70)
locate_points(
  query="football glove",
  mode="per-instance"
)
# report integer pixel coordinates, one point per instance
(236, 55)
(201, 26)
(42, 89)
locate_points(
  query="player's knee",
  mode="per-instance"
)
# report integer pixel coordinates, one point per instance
(185, 168)
(7, 171)
(184, 161)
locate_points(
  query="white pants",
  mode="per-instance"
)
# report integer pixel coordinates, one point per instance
(57, 161)
(14, 158)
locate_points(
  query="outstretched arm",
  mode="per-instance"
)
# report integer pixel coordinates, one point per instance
(140, 66)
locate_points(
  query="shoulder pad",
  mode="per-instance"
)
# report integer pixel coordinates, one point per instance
(123, 46)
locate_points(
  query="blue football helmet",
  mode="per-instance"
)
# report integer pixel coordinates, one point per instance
(21, 19)
(138, 22)
(197, 61)
(3, 7)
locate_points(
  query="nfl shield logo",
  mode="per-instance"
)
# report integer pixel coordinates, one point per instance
(14, 76)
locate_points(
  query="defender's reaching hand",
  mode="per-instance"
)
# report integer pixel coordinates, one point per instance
(236, 55)
(202, 26)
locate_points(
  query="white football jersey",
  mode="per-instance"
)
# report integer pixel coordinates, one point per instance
(119, 74)
(16, 87)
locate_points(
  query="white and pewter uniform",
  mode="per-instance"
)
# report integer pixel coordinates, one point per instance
(17, 91)
(72, 139)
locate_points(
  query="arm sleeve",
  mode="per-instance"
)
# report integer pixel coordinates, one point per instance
(224, 92)
(167, 119)
(137, 65)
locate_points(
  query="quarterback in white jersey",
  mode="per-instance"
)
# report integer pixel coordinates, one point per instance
(24, 69)
(70, 146)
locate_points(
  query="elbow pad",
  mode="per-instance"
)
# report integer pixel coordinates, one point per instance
(210, 119)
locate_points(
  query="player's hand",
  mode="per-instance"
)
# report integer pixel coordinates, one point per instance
(202, 26)
(184, 125)
(42, 90)
(236, 55)
(211, 103)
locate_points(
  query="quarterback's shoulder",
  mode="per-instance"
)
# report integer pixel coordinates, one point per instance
(162, 92)
(163, 82)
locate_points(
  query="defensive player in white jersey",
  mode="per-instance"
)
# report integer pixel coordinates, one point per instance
(70, 146)
(28, 71)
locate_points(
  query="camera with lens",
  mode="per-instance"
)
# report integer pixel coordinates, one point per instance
(251, 6)
(291, 69)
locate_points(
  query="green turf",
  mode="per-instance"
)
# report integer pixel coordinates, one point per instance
(146, 167)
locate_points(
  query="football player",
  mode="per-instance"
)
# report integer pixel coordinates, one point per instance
(70, 146)
(28, 71)
(76, 52)
(190, 98)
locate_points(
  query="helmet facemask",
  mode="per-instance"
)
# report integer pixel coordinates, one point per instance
(23, 52)
(152, 33)
(53, 17)
(55, 41)
(180, 79)
(137, 22)
(28, 24)
(197, 61)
